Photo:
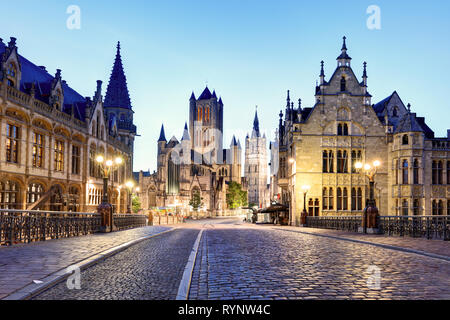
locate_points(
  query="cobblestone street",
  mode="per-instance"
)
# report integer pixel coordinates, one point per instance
(236, 260)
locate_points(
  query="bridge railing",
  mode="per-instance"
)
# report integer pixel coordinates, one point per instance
(25, 226)
(430, 227)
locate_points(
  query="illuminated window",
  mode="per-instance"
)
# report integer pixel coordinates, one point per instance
(9, 195)
(59, 155)
(34, 192)
(38, 150)
(12, 143)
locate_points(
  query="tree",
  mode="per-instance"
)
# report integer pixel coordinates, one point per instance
(135, 203)
(196, 200)
(236, 197)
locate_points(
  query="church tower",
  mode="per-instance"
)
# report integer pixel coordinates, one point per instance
(117, 104)
(256, 166)
(206, 125)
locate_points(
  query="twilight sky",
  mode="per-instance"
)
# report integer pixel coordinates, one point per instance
(249, 51)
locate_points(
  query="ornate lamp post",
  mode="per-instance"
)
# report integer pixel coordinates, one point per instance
(370, 215)
(105, 208)
(305, 190)
(130, 185)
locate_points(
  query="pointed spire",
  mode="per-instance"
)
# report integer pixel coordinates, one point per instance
(162, 136)
(365, 70)
(192, 96)
(256, 124)
(288, 99)
(117, 95)
(344, 45)
(220, 100)
(409, 107)
(344, 56)
(214, 94)
(206, 94)
(233, 141)
(299, 104)
(186, 135)
(322, 72)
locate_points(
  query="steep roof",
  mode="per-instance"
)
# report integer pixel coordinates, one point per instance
(206, 94)
(32, 73)
(408, 123)
(117, 95)
(256, 125)
(185, 133)
(162, 136)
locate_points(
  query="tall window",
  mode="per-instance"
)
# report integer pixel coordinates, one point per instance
(328, 159)
(416, 171)
(339, 199)
(356, 199)
(396, 170)
(343, 84)
(313, 207)
(448, 172)
(342, 129)
(437, 172)
(75, 159)
(207, 114)
(327, 200)
(405, 171)
(199, 114)
(92, 164)
(356, 157)
(405, 208)
(38, 150)
(59, 155)
(11, 74)
(359, 200)
(345, 199)
(440, 208)
(12, 143)
(405, 139)
(34, 192)
(342, 159)
(416, 205)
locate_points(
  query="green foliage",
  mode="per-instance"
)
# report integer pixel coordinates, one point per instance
(135, 203)
(196, 200)
(236, 197)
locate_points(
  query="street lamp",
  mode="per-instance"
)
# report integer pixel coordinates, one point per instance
(105, 208)
(370, 212)
(305, 189)
(129, 184)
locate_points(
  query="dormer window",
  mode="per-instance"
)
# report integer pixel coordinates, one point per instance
(405, 140)
(343, 84)
(395, 112)
(11, 74)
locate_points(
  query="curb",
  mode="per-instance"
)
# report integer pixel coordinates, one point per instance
(386, 246)
(185, 283)
(51, 280)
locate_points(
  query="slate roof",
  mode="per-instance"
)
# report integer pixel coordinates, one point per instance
(206, 95)
(32, 73)
(117, 95)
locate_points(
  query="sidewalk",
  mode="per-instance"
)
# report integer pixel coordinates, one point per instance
(23, 263)
(433, 247)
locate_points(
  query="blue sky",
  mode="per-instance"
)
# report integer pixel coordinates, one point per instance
(249, 51)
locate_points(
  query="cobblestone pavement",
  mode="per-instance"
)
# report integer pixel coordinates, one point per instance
(263, 263)
(148, 270)
(23, 263)
(439, 247)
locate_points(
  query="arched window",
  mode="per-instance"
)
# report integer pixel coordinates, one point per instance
(395, 111)
(434, 208)
(416, 205)
(34, 192)
(405, 209)
(339, 199)
(405, 172)
(9, 195)
(345, 199)
(342, 166)
(73, 200)
(359, 200)
(207, 114)
(354, 199)
(11, 74)
(327, 199)
(440, 208)
(405, 139)
(340, 129)
(343, 84)
(199, 114)
(440, 172)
